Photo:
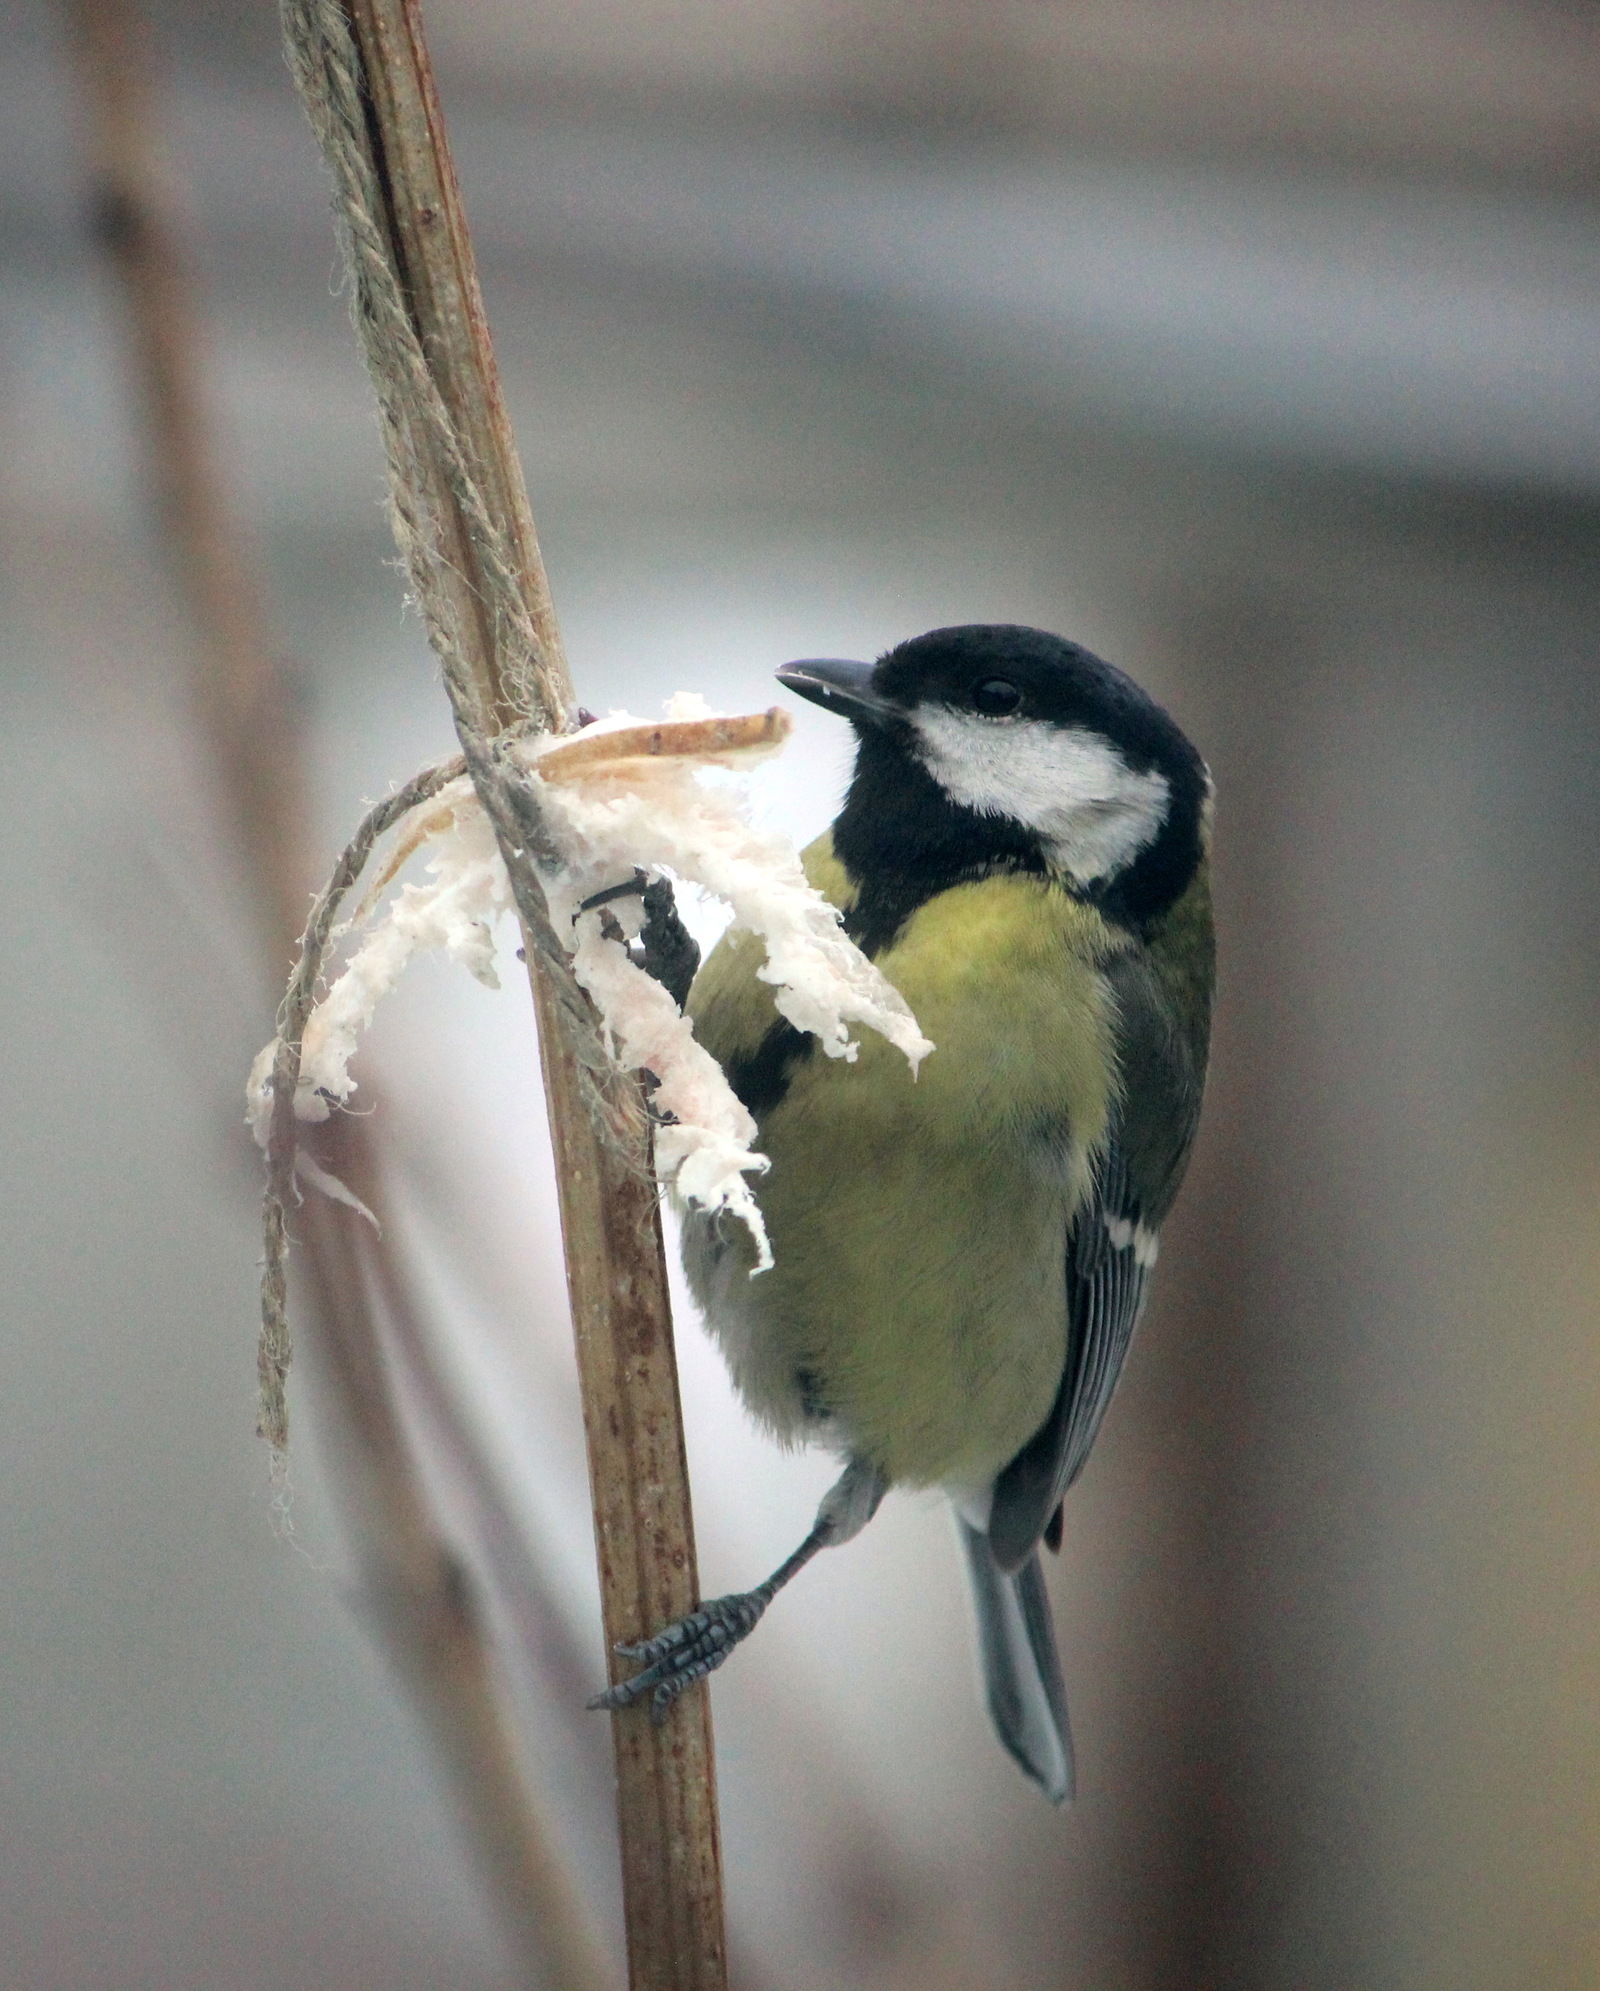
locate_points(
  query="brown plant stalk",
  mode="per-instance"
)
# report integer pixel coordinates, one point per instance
(414, 1584)
(463, 524)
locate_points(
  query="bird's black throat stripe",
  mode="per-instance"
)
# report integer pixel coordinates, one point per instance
(902, 842)
(760, 1081)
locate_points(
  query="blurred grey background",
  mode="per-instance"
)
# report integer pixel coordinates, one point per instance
(1256, 346)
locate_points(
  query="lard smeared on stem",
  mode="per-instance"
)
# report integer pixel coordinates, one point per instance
(619, 797)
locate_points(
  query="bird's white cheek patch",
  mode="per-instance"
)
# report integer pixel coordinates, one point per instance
(1094, 812)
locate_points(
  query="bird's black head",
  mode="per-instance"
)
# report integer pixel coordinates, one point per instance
(998, 748)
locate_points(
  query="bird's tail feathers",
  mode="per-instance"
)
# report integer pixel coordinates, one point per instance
(1021, 1672)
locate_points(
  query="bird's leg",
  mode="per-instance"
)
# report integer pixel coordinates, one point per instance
(668, 951)
(698, 1644)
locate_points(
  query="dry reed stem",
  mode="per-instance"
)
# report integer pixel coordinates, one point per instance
(420, 1593)
(706, 740)
(462, 520)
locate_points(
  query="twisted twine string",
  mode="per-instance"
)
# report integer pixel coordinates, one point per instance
(276, 1345)
(418, 429)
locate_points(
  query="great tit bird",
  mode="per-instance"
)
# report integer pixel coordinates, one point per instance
(961, 1258)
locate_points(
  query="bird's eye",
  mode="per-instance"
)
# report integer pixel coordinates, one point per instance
(996, 698)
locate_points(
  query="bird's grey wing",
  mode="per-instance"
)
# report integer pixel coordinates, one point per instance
(1110, 1252)
(1110, 1248)
(1109, 1255)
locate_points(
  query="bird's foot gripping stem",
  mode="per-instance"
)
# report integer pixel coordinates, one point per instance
(665, 949)
(686, 1651)
(698, 1644)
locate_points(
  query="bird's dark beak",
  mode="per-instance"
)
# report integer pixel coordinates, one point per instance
(839, 685)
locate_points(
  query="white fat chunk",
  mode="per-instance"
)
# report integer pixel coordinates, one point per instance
(661, 818)
(454, 911)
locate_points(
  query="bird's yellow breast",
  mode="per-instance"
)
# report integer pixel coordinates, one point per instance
(916, 1311)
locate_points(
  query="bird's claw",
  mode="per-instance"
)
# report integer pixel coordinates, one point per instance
(684, 1652)
(630, 888)
(665, 948)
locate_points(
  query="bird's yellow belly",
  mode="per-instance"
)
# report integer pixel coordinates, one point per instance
(916, 1311)
(924, 1336)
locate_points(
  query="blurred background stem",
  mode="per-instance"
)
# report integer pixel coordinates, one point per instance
(416, 1589)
